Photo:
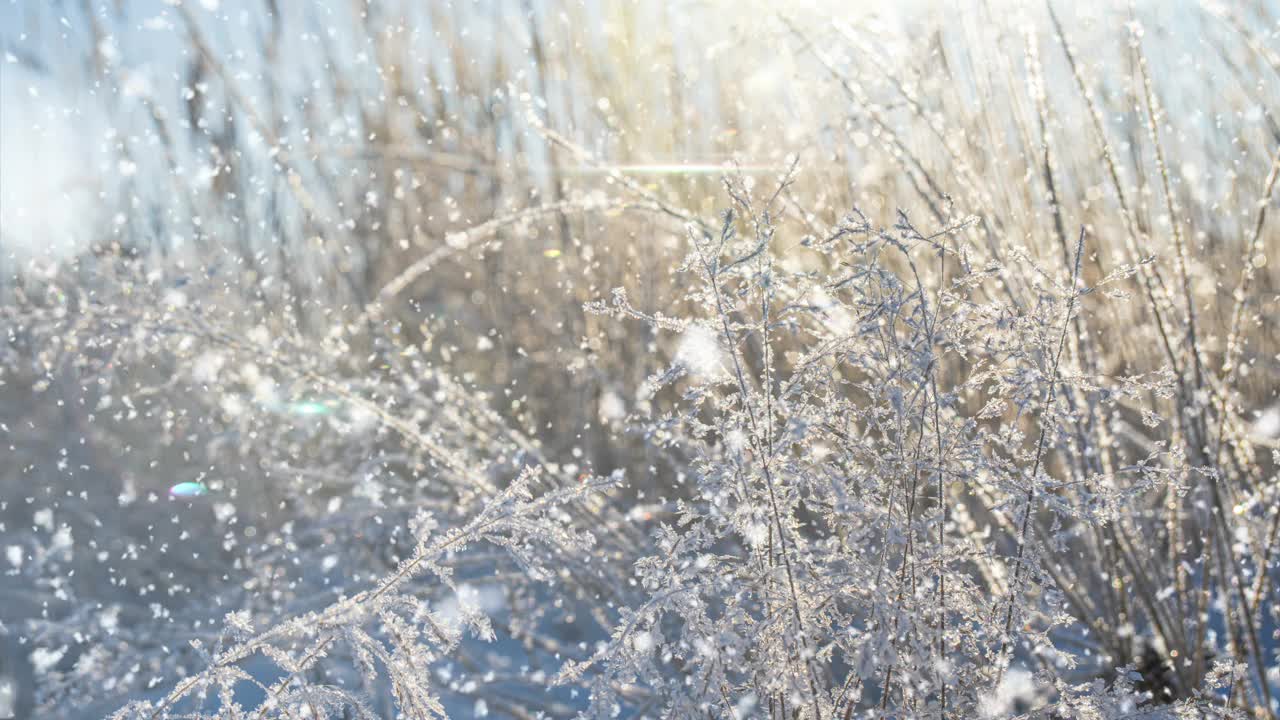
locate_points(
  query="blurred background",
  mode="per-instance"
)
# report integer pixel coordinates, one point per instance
(350, 184)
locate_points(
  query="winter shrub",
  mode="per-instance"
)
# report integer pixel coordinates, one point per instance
(379, 441)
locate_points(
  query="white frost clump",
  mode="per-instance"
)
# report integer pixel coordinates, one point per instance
(1267, 426)
(1017, 689)
(699, 351)
(612, 407)
(8, 698)
(43, 659)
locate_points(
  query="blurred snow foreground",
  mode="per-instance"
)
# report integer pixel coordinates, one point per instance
(638, 359)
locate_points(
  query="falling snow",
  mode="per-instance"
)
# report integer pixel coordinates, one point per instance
(700, 359)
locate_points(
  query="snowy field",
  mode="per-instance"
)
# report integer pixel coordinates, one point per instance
(794, 359)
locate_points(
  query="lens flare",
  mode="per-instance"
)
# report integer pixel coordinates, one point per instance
(188, 489)
(309, 408)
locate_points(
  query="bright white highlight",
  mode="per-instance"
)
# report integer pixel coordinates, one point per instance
(699, 351)
(48, 179)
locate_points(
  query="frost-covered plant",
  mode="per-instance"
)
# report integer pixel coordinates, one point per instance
(357, 316)
(386, 631)
(888, 474)
(882, 518)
